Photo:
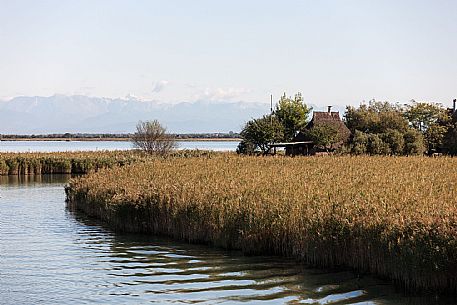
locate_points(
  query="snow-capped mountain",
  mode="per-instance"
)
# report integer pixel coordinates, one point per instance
(78, 113)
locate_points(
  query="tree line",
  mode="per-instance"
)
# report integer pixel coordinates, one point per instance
(377, 128)
(179, 136)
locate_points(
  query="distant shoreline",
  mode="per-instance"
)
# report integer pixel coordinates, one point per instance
(114, 139)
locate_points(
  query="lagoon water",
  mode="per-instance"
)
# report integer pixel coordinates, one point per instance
(55, 146)
(50, 254)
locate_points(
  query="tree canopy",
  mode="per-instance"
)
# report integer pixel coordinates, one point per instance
(324, 135)
(432, 120)
(258, 134)
(289, 117)
(382, 128)
(423, 115)
(376, 117)
(293, 114)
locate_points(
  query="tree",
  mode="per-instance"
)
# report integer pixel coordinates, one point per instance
(395, 140)
(324, 135)
(434, 137)
(376, 117)
(258, 134)
(432, 120)
(292, 113)
(383, 128)
(245, 148)
(414, 143)
(359, 143)
(152, 137)
(376, 146)
(360, 119)
(422, 115)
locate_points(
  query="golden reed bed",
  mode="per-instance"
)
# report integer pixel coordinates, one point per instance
(64, 162)
(394, 217)
(78, 162)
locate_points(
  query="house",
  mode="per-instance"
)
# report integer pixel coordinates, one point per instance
(302, 145)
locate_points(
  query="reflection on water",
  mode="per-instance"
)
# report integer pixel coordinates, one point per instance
(51, 254)
(30, 180)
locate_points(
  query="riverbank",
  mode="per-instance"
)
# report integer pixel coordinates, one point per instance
(393, 217)
(78, 162)
(116, 139)
(65, 139)
(64, 162)
(53, 254)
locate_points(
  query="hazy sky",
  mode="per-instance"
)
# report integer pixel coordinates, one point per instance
(335, 52)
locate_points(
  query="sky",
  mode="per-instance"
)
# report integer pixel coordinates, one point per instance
(334, 52)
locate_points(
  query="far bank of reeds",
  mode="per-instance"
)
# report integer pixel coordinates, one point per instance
(63, 162)
(394, 217)
(77, 162)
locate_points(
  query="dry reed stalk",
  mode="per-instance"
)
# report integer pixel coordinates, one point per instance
(395, 217)
(77, 162)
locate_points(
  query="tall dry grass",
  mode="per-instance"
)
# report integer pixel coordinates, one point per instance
(63, 162)
(77, 162)
(395, 217)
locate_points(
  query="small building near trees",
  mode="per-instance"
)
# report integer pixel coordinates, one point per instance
(325, 132)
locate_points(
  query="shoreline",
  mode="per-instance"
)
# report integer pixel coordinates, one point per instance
(113, 140)
(351, 212)
(78, 162)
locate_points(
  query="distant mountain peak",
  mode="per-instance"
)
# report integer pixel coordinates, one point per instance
(79, 113)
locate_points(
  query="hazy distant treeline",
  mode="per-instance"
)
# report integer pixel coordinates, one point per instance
(115, 136)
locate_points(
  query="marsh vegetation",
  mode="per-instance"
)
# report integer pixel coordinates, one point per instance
(78, 162)
(391, 216)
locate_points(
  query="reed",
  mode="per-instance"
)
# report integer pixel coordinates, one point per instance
(391, 216)
(78, 162)
(62, 163)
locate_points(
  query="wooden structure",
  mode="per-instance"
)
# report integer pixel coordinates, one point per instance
(295, 148)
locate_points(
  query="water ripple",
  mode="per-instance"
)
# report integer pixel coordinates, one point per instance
(52, 255)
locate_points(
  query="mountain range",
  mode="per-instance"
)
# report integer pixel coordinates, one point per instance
(84, 114)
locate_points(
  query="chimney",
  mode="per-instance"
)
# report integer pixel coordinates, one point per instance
(453, 108)
(330, 107)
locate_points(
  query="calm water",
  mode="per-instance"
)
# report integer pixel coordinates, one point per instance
(52, 255)
(54, 146)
